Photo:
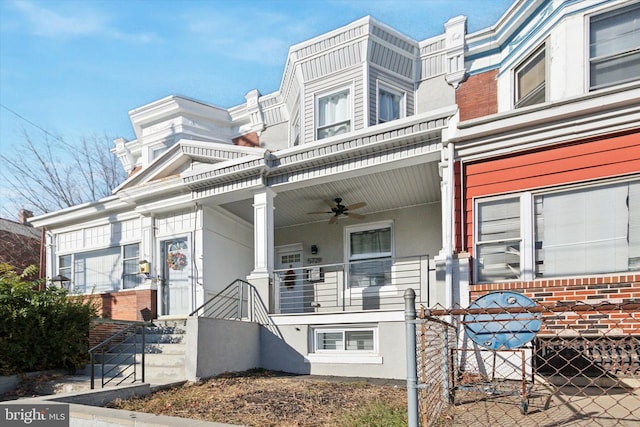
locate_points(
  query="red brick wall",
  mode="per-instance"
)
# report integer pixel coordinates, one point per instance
(614, 289)
(478, 96)
(127, 305)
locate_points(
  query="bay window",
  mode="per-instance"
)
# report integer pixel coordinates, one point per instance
(531, 80)
(390, 104)
(565, 232)
(333, 114)
(614, 46)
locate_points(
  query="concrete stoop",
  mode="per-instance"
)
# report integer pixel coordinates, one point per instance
(164, 355)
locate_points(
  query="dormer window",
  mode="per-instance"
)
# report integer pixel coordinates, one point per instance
(531, 80)
(390, 104)
(334, 114)
(614, 47)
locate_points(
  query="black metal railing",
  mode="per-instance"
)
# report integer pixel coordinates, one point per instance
(376, 284)
(117, 356)
(240, 300)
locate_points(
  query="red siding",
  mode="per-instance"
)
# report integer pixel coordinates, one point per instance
(576, 162)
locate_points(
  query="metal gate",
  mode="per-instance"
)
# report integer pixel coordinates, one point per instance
(582, 367)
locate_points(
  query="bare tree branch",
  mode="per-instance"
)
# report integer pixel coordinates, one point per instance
(54, 174)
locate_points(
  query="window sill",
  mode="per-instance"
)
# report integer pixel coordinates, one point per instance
(344, 358)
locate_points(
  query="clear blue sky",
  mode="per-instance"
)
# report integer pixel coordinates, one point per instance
(77, 67)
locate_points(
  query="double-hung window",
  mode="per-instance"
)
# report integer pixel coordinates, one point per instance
(344, 340)
(333, 114)
(531, 80)
(390, 104)
(64, 266)
(614, 46)
(498, 239)
(131, 276)
(565, 232)
(370, 255)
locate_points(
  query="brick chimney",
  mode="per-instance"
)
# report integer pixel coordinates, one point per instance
(23, 216)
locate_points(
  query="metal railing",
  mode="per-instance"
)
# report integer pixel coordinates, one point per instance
(581, 368)
(353, 286)
(238, 301)
(118, 356)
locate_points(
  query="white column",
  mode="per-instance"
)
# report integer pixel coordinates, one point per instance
(263, 232)
(263, 256)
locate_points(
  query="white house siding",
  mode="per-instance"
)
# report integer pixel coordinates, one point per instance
(227, 244)
(293, 351)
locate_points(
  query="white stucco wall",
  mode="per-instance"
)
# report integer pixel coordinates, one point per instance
(227, 250)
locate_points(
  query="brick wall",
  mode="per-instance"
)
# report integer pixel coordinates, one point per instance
(478, 96)
(127, 305)
(611, 289)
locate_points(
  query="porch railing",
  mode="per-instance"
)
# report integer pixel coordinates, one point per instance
(238, 301)
(354, 286)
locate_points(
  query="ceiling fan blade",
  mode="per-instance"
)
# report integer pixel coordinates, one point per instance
(333, 219)
(355, 215)
(330, 203)
(357, 205)
(316, 213)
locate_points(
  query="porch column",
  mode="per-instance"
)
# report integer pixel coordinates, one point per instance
(262, 242)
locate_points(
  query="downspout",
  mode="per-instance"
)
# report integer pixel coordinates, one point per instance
(449, 282)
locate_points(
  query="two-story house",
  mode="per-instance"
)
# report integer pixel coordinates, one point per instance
(382, 163)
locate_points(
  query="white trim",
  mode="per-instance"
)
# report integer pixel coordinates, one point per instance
(350, 89)
(338, 318)
(394, 90)
(343, 358)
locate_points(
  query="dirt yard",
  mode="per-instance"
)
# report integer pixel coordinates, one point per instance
(269, 399)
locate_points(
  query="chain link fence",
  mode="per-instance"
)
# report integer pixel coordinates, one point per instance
(569, 364)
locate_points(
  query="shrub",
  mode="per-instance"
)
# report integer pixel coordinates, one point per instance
(40, 329)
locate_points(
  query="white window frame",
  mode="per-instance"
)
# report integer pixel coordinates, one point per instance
(321, 95)
(344, 330)
(402, 103)
(70, 272)
(525, 238)
(520, 101)
(528, 233)
(617, 55)
(347, 247)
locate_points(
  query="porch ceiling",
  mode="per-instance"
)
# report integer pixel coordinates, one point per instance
(382, 191)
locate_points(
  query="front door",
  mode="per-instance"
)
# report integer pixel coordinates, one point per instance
(290, 286)
(176, 281)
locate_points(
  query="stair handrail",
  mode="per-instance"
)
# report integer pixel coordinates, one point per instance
(256, 309)
(102, 346)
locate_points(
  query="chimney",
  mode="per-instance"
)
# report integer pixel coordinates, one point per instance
(23, 216)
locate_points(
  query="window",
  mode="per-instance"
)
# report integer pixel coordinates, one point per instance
(498, 239)
(103, 270)
(334, 114)
(614, 46)
(390, 104)
(574, 231)
(345, 340)
(531, 80)
(131, 266)
(64, 266)
(370, 254)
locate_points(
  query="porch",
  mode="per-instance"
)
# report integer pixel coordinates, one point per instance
(353, 286)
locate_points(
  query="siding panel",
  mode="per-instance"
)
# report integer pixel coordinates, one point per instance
(573, 163)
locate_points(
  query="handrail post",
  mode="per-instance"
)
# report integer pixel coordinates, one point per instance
(93, 374)
(143, 350)
(412, 370)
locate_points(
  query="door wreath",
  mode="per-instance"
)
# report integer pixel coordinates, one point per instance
(176, 260)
